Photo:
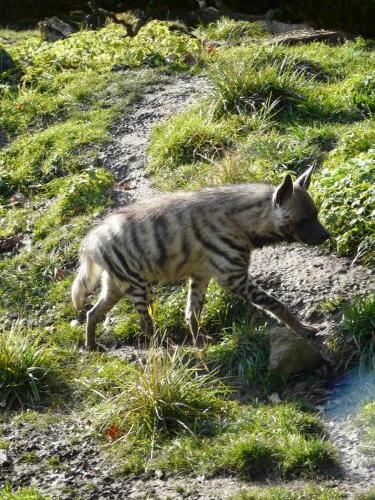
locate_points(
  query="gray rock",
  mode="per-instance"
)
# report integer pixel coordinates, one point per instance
(53, 29)
(4, 459)
(6, 62)
(291, 353)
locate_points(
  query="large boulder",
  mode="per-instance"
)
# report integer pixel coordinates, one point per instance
(291, 353)
(6, 62)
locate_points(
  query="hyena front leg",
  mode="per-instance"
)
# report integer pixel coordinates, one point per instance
(240, 283)
(110, 294)
(142, 298)
(196, 294)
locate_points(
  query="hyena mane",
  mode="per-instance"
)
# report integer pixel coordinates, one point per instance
(196, 235)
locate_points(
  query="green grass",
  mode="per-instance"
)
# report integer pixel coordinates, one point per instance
(7, 492)
(26, 369)
(353, 339)
(230, 31)
(366, 422)
(257, 442)
(168, 393)
(282, 493)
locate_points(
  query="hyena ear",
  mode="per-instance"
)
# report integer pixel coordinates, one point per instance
(304, 179)
(283, 192)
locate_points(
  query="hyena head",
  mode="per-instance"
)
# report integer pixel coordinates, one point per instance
(295, 213)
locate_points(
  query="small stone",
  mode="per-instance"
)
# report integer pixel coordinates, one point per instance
(6, 62)
(274, 398)
(4, 459)
(291, 353)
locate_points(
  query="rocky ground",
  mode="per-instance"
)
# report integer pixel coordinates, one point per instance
(61, 456)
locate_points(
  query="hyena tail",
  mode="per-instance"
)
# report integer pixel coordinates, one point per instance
(88, 276)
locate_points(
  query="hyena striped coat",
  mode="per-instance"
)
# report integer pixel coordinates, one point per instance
(196, 235)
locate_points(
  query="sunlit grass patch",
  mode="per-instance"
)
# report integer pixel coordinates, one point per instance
(353, 340)
(8, 492)
(231, 31)
(26, 369)
(54, 152)
(366, 420)
(243, 86)
(259, 441)
(188, 138)
(310, 492)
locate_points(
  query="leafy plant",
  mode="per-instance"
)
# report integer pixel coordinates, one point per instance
(347, 196)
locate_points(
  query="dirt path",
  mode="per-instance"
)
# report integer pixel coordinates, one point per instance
(301, 276)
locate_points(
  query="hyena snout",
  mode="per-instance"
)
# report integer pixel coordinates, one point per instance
(312, 233)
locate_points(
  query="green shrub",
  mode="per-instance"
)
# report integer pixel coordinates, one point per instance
(347, 196)
(25, 369)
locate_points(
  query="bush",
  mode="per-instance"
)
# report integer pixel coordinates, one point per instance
(25, 369)
(347, 197)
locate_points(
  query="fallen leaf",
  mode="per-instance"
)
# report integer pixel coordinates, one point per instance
(112, 432)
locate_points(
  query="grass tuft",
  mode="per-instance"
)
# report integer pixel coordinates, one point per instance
(354, 339)
(167, 394)
(25, 369)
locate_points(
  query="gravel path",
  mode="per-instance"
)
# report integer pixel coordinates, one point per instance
(300, 276)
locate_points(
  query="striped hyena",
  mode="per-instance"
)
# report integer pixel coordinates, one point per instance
(196, 235)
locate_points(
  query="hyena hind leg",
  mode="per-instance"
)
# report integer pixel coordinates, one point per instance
(141, 297)
(110, 294)
(196, 294)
